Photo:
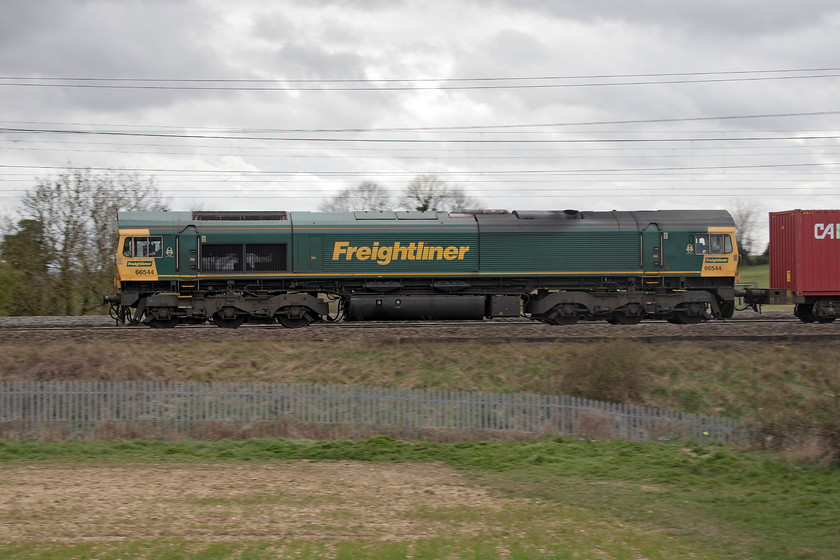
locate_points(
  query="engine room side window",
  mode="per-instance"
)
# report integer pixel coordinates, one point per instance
(237, 257)
(147, 247)
(265, 256)
(221, 257)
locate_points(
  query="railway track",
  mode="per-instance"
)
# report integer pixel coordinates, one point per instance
(489, 325)
(775, 327)
(104, 322)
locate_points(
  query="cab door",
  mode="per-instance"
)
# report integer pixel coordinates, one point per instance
(309, 253)
(652, 249)
(187, 252)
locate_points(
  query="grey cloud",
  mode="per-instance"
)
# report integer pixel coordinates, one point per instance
(715, 17)
(365, 6)
(23, 18)
(311, 60)
(108, 40)
(514, 48)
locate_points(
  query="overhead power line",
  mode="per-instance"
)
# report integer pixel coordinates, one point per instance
(250, 172)
(450, 79)
(15, 130)
(436, 154)
(462, 128)
(407, 84)
(688, 189)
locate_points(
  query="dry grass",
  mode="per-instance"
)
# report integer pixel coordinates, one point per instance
(291, 428)
(736, 380)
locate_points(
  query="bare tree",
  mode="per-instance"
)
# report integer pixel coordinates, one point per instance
(75, 218)
(428, 192)
(364, 196)
(746, 218)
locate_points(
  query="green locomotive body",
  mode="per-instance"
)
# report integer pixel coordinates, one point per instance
(554, 266)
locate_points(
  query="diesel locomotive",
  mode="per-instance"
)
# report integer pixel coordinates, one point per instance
(297, 268)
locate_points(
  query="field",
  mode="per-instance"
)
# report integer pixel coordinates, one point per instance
(380, 498)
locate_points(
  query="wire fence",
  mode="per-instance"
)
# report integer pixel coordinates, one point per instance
(173, 410)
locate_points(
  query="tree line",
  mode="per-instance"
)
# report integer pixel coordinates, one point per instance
(57, 253)
(423, 193)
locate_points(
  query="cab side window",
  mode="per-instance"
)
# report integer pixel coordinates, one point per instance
(701, 244)
(712, 243)
(146, 247)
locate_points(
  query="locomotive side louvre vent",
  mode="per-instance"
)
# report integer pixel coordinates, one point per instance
(255, 215)
(238, 257)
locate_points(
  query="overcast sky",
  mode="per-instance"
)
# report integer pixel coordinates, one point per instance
(526, 104)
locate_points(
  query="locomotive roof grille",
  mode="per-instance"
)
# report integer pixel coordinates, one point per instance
(241, 216)
(548, 214)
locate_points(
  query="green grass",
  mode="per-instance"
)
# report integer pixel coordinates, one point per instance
(584, 499)
(758, 275)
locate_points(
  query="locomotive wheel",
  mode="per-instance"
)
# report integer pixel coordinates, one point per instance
(560, 320)
(163, 323)
(292, 322)
(228, 323)
(292, 317)
(161, 318)
(622, 318)
(564, 314)
(683, 318)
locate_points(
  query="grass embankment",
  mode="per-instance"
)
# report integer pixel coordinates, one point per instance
(566, 499)
(736, 379)
(782, 387)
